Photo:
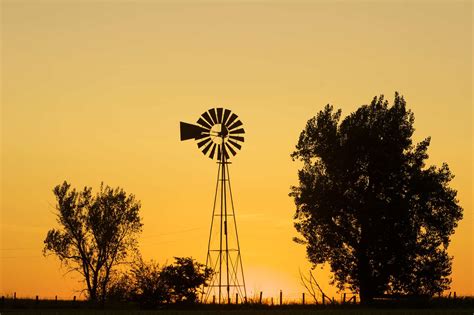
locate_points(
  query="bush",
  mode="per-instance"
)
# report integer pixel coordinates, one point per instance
(150, 285)
(184, 278)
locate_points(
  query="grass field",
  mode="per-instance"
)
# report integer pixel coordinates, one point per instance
(288, 311)
(464, 305)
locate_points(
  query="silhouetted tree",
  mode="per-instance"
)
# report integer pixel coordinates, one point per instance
(96, 233)
(150, 285)
(184, 278)
(367, 204)
(120, 287)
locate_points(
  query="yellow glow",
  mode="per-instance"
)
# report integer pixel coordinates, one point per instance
(94, 91)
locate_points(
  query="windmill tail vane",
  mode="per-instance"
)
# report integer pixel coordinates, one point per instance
(219, 135)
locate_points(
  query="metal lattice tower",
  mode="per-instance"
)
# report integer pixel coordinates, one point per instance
(219, 134)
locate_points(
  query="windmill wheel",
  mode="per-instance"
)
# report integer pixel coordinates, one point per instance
(219, 133)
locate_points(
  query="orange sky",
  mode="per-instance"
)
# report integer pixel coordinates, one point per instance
(94, 91)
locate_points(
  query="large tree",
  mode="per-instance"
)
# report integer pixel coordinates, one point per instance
(95, 234)
(367, 204)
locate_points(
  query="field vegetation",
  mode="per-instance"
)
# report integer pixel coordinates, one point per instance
(438, 305)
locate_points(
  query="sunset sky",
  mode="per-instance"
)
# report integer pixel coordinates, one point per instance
(93, 91)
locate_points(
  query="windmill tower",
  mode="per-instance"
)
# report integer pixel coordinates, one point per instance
(219, 135)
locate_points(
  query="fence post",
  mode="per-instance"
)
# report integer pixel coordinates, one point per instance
(303, 298)
(272, 300)
(281, 297)
(449, 296)
(3, 299)
(344, 298)
(56, 298)
(74, 299)
(236, 298)
(14, 295)
(355, 299)
(454, 296)
(213, 299)
(261, 293)
(37, 299)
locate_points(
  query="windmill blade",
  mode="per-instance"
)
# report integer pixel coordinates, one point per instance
(235, 144)
(230, 149)
(219, 115)
(203, 142)
(206, 148)
(232, 118)
(213, 115)
(241, 130)
(204, 123)
(211, 155)
(190, 131)
(241, 139)
(238, 123)
(226, 115)
(208, 118)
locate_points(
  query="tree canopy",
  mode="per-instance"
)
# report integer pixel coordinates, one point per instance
(95, 234)
(367, 204)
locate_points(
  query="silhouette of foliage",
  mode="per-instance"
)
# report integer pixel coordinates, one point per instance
(149, 289)
(367, 204)
(96, 233)
(150, 285)
(184, 278)
(120, 287)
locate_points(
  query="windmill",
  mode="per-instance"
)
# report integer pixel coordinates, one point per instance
(219, 135)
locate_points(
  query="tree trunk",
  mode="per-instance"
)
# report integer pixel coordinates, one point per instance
(365, 275)
(93, 290)
(93, 294)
